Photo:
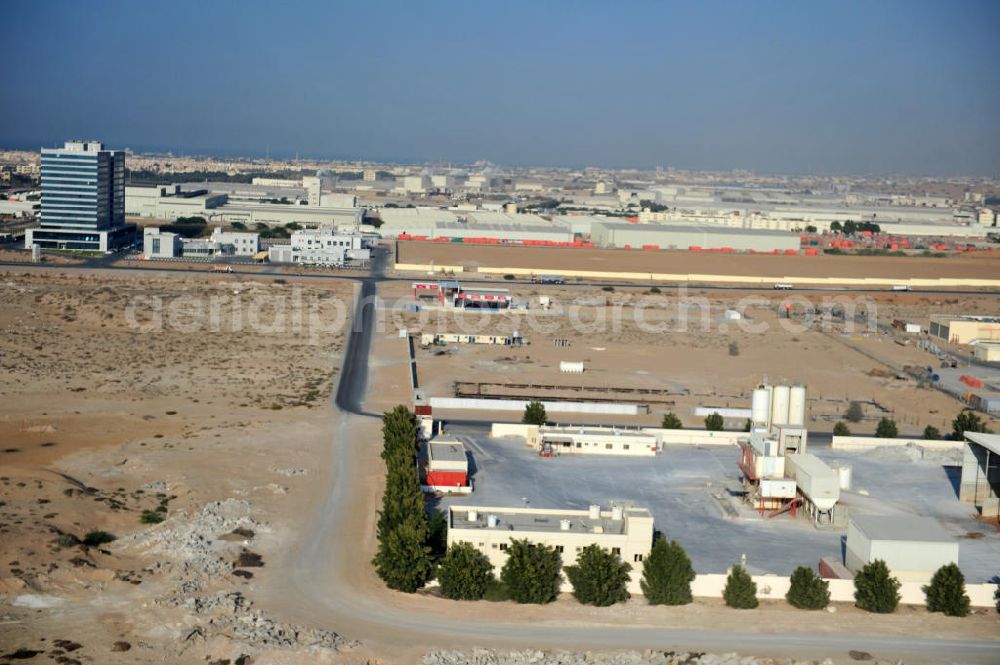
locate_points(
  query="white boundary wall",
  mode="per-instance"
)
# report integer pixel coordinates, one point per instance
(519, 405)
(694, 437)
(868, 442)
(774, 587)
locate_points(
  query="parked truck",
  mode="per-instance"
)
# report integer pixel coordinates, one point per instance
(222, 268)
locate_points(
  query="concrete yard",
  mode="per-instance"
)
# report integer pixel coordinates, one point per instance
(679, 486)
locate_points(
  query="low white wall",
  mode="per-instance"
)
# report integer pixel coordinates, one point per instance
(774, 587)
(867, 442)
(519, 405)
(500, 430)
(694, 437)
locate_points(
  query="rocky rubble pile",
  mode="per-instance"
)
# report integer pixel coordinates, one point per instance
(197, 558)
(532, 657)
(192, 541)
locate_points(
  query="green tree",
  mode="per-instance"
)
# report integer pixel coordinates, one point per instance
(946, 592)
(835, 227)
(437, 533)
(932, 433)
(713, 422)
(741, 590)
(810, 228)
(996, 597)
(841, 429)
(886, 429)
(465, 573)
(808, 590)
(599, 577)
(671, 421)
(403, 561)
(403, 558)
(667, 574)
(875, 589)
(747, 425)
(534, 414)
(966, 421)
(855, 412)
(531, 573)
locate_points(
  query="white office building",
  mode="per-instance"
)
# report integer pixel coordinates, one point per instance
(83, 199)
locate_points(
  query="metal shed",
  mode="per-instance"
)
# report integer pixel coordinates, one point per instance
(913, 547)
(980, 482)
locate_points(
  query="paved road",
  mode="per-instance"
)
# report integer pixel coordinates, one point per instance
(323, 580)
(109, 263)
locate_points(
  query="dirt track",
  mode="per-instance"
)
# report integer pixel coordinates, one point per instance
(984, 265)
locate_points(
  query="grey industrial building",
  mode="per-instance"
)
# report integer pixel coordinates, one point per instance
(684, 236)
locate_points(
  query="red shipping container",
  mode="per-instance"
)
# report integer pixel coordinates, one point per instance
(791, 251)
(447, 478)
(811, 251)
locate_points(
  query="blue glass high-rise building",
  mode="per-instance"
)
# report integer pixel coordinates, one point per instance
(83, 199)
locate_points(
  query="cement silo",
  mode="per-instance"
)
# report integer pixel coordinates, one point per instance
(779, 405)
(760, 407)
(797, 406)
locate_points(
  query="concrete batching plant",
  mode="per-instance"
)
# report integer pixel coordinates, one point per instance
(778, 474)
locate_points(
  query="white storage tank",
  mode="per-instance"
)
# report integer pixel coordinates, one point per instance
(797, 406)
(473, 516)
(493, 521)
(844, 473)
(760, 410)
(779, 405)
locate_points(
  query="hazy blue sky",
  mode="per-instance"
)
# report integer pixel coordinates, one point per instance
(821, 87)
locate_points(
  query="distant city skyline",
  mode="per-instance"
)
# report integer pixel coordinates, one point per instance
(893, 88)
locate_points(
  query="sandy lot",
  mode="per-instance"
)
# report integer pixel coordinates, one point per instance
(217, 419)
(985, 265)
(630, 338)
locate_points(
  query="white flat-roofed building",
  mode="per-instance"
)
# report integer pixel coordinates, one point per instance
(913, 547)
(239, 243)
(323, 247)
(157, 244)
(624, 530)
(596, 441)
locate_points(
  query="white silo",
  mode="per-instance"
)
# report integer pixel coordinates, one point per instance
(760, 406)
(779, 405)
(797, 406)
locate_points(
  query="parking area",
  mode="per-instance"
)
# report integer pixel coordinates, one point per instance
(690, 491)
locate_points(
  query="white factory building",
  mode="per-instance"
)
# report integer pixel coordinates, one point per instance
(172, 201)
(323, 247)
(681, 236)
(575, 440)
(158, 244)
(623, 530)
